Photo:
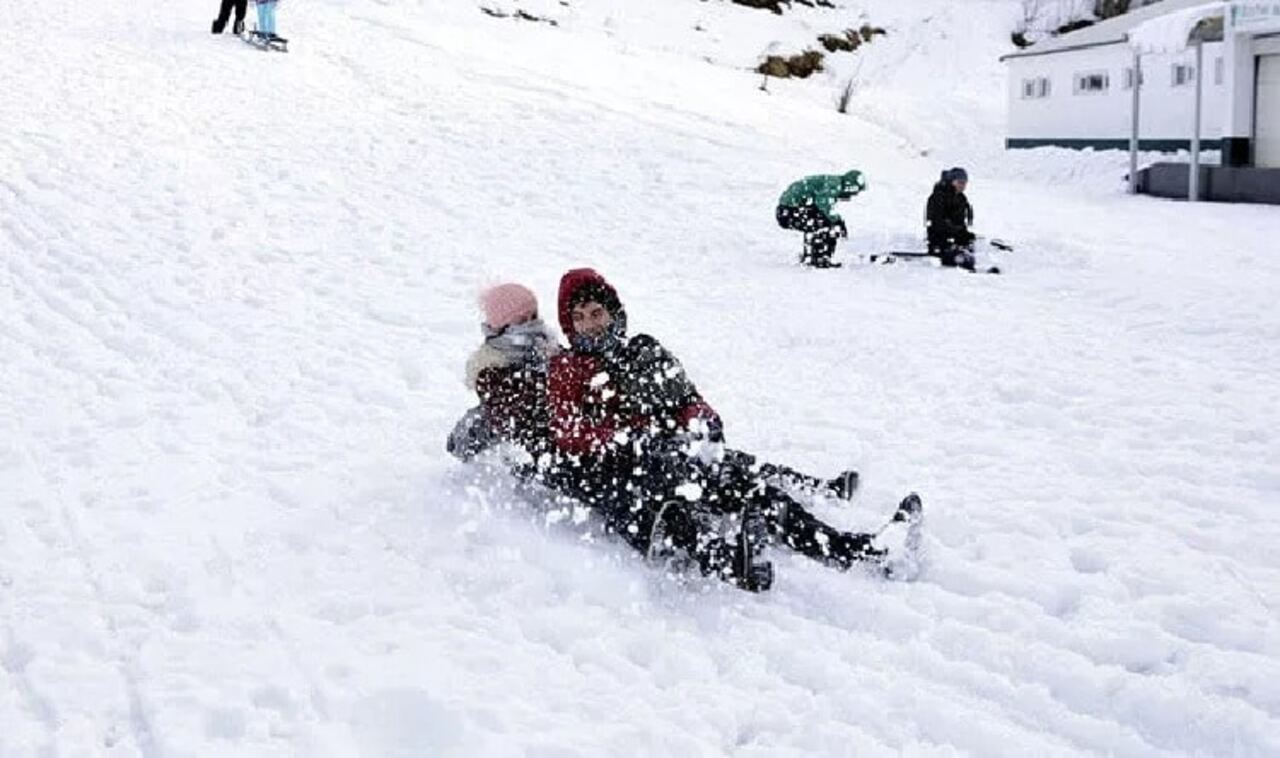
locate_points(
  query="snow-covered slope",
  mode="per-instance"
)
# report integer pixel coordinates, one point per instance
(933, 80)
(237, 294)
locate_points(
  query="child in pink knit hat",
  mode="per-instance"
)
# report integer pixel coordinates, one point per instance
(509, 374)
(507, 304)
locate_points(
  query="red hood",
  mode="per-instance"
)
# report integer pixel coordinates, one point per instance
(575, 280)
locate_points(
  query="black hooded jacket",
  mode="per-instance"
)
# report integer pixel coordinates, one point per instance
(947, 217)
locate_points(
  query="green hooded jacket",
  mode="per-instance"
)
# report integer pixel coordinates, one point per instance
(823, 190)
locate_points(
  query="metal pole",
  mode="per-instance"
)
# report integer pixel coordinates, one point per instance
(1133, 135)
(1232, 130)
(1193, 186)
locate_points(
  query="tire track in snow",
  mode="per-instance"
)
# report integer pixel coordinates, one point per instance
(125, 655)
(14, 658)
(950, 671)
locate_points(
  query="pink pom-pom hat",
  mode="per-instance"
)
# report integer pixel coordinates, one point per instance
(507, 304)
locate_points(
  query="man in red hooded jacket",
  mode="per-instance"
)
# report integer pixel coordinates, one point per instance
(610, 390)
(618, 406)
(622, 412)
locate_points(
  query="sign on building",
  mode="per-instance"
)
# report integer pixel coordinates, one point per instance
(1254, 16)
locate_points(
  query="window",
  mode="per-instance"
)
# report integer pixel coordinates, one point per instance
(1183, 74)
(1219, 70)
(1034, 89)
(1092, 83)
(1128, 78)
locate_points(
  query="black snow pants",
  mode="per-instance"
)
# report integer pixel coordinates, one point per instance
(692, 498)
(820, 232)
(240, 7)
(955, 256)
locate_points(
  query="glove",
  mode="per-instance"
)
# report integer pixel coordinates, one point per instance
(715, 430)
(706, 428)
(660, 445)
(704, 439)
(471, 436)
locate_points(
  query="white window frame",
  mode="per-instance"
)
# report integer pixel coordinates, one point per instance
(1036, 88)
(1182, 74)
(1083, 79)
(1127, 78)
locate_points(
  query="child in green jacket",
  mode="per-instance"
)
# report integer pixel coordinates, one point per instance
(807, 206)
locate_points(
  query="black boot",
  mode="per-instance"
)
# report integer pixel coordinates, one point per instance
(844, 485)
(218, 26)
(238, 27)
(822, 246)
(901, 539)
(910, 509)
(737, 563)
(957, 257)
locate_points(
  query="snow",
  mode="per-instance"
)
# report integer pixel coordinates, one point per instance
(1170, 33)
(239, 292)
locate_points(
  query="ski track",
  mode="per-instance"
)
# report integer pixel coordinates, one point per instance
(238, 295)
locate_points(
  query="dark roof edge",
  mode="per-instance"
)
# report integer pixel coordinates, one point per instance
(1072, 48)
